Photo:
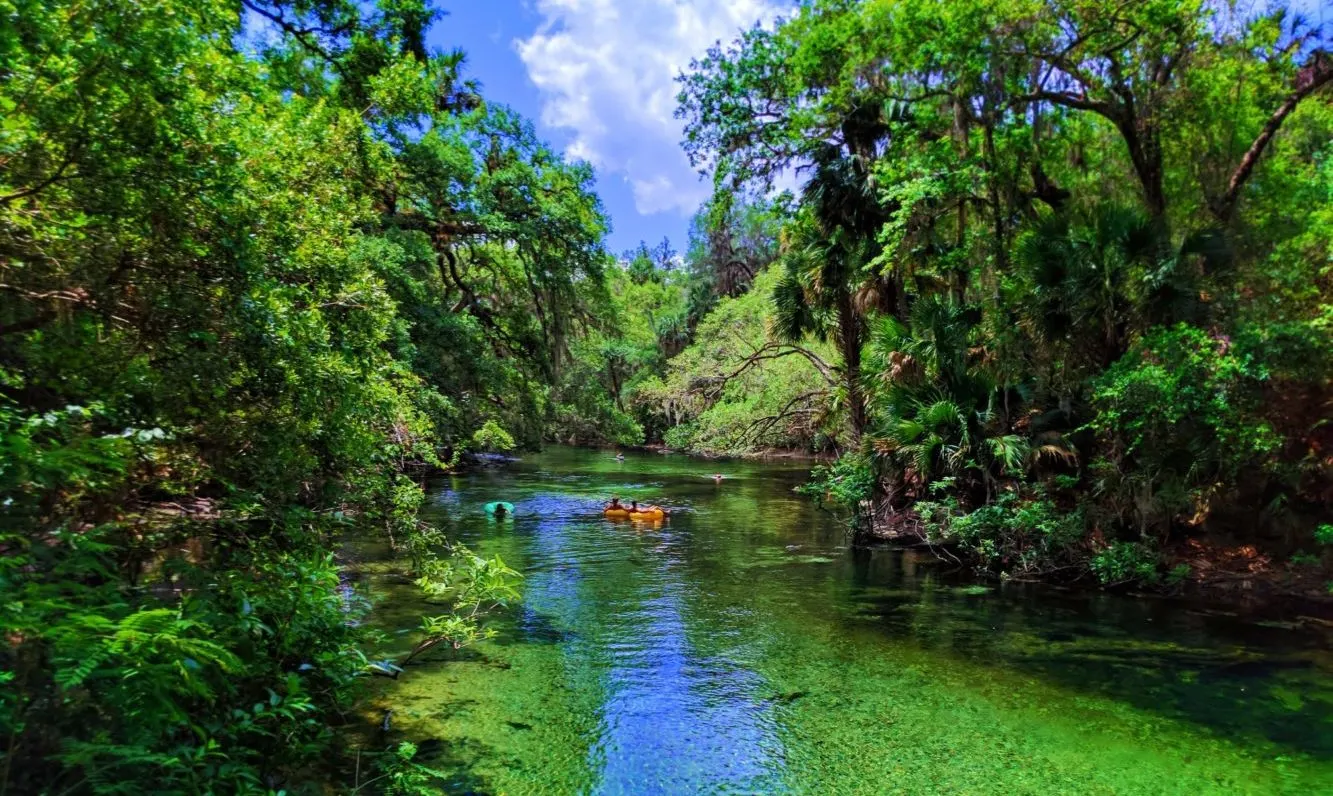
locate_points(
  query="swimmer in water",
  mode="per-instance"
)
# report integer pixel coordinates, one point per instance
(717, 477)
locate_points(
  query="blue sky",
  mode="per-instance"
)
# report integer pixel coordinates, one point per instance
(597, 79)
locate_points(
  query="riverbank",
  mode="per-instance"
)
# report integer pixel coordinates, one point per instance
(759, 455)
(1236, 576)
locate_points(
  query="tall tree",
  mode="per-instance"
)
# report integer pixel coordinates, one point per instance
(258, 262)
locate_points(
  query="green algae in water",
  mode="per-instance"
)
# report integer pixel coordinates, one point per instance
(742, 648)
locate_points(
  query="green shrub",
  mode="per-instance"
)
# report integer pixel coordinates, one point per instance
(846, 483)
(402, 775)
(1125, 562)
(492, 437)
(1064, 481)
(679, 437)
(1178, 574)
(1014, 535)
(1179, 415)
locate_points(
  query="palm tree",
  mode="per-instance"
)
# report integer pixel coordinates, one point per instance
(1081, 272)
(826, 253)
(1092, 280)
(936, 406)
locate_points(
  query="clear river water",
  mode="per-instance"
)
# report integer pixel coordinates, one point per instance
(743, 646)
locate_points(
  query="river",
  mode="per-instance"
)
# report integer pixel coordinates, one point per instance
(744, 647)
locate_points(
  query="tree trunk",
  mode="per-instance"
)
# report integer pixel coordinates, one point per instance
(849, 339)
(1145, 152)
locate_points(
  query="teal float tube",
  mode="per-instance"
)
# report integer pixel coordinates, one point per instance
(500, 507)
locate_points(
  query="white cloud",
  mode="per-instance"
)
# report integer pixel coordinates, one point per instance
(606, 70)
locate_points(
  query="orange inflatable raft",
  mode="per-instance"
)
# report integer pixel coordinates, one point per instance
(626, 514)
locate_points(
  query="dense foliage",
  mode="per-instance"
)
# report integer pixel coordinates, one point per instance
(1073, 258)
(258, 264)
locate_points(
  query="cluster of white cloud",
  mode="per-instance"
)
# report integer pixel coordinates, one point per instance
(606, 70)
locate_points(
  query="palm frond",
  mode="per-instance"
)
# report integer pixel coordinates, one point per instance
(1011, 451)
(943, 414)
(793, 316)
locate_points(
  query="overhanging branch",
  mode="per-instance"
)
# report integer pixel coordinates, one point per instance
(1313, 77)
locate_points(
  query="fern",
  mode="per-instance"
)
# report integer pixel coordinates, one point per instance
(144, 639)
(68, 678)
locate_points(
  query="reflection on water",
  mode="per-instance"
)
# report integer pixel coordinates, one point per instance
(742, 646)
